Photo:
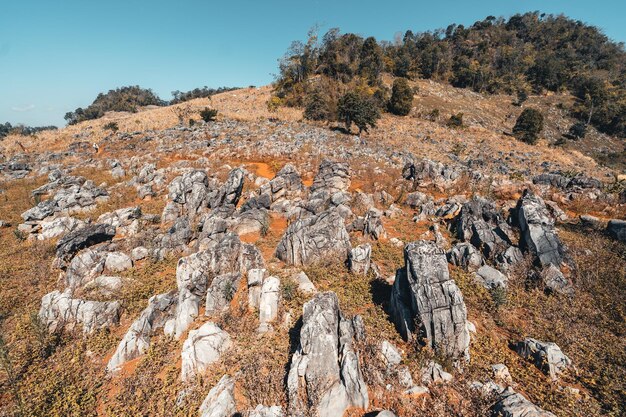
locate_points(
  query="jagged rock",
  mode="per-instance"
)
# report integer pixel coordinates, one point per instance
(59, 311)
(513, 404)
(617, 229)
(286, 184)
(251, 221)
(427, 171)
(84, 267)
(136, 341)
(106, 285)
(221, 292)
(332, 177)
(305, 285)
(465, 255)
(139, 253)
(82, 238)
(433, 373)
(509, 258)
(390, 354)
(417, 199)
(268, 304)
(125, 221)
(118, 262)
(373, 225)
(548, 357)
(423, 294)
(220, 401)
(591, 222)
(554, 281)
(263, 411)
(313, 239)
(255, 283)
(562, 182)
(538, 233)
(58, 226)
(481, 224)
(360, 259)
(202, 348)
(501, 373)
(324, 378)
(491, 278)
(190, 191)
(229, 193)
(176, 238)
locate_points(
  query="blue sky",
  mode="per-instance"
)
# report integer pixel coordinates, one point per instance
(58, 55)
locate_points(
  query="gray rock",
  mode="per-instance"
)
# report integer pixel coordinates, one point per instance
(136, 341)
(359, 259)
(230, 192)
(373, 225)
(501, 373)
(538, 233)
(59, 226)
(513, 404)
(313, 239)
(202, 348)
(617, 229)
(390, 354)
(426, 302)
(548, 357)
(221, 292)
(554, 281)
(385, 413)
(118, 262)
(255, 283)
(268, 305)
(139, 253)
(82, 238)
(84, 267)
(324, 378)
(264, 411)
(491, 278)
(465, 255)
(125, 221)
(305, 285)
(220, 401)
(433, 373)
(285, 185)
(59, 311)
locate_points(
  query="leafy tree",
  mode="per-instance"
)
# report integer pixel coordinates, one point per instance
(358, 109)
(528, 126)
(371, 61)
(317, 107)
(401, 101)
(204, 92)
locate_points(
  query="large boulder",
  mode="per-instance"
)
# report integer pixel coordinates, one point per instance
(538, 233)
(313, 239)
(546, 356)
(230, 192)
(427, 303)
(617, 229)
(268, 303)
(202, 348)
(359, 259)
(514, 404)
(55, 227)
(220, 401)
(59, 311)
(465, 255)
(136, 341)
(286, 184)
(324, 378)
(82, 238)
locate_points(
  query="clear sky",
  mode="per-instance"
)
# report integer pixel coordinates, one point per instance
(56, 55)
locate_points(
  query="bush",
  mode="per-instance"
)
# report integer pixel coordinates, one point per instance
(528, 126)
(358, 109)
(273, 104)
(455, 120)
(112, 126)
(577, 131)
(208, 115)
(317, 107)
(401, 101)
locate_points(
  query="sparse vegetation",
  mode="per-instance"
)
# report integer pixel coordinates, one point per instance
(204, 92)
(112, 126)
(208, 114)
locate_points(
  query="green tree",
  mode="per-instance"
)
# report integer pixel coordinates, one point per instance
(317, 107)
(358, 109)
(401, 101)
(371, 65)
(528, 126)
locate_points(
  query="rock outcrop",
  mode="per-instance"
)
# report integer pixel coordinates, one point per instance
(548, 357)
(220, 401)
(202, 348)
(325, 378)
(59, 311)
(426, 302)
(313, 239)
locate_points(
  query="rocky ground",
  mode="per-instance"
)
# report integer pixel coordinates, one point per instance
(268, 267)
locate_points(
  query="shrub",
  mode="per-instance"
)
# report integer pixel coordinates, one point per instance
(273, 104)
(112, 126)
(358, 109)
(528, 126)
(317, 107)
(401, 101)
(208, 115)
(577, 131)
(455, 120)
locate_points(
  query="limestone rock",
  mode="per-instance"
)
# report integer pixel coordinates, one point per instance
(118, 262)
(220, 401)
(202, 348)
(491, 278)
(324, 378)
(221, 292)
(359, 259)
(264, 411)
(465, 255)
(513, 404)
(617, 229)
(268, 305)
(83, 238)
(313, 239)
(61, 312)
(423, 294)
(548, 357)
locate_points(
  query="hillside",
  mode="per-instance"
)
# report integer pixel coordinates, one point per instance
(162, 229)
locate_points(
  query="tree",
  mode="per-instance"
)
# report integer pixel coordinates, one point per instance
(371, 65)
(401, 101)
(317, 107)
(358, 109)
(528, 126)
